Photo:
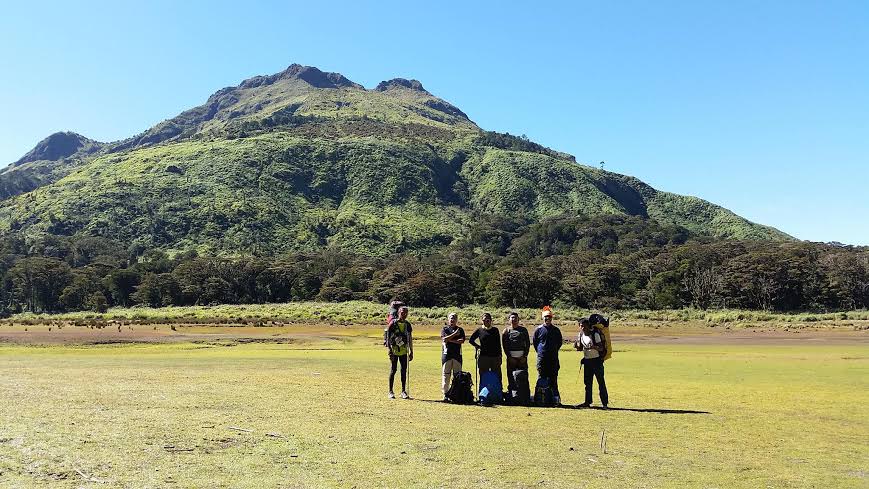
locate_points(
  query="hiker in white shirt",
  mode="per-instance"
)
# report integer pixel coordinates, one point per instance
(593, 346)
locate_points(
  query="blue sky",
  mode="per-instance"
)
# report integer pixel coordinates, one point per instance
(762, 107)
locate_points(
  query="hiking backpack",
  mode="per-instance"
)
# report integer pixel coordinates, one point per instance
(519, 393)
(391, 314)
(602, 326)
(543, 395)
(490, 388)
(461, 390)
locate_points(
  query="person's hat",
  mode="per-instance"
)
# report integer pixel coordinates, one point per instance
(547, 311)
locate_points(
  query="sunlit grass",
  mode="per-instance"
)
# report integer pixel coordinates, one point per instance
(163, 415)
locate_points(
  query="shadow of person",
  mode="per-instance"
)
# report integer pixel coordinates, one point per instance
(598, 408)
(639, 410)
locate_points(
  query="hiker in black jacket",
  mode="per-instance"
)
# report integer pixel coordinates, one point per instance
(547, 341)
(488, 341)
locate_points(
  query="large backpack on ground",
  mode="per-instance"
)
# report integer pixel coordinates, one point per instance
(490, 388)
(602, 325)
(543, 395)
(461, 390)
(519, 393)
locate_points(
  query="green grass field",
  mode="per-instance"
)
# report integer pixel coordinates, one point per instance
(162, 415)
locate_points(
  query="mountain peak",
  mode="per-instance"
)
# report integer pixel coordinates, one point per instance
(401, 83)
(309, 74)
(59, 145)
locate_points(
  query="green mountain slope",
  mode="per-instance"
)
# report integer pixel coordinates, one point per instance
(304, 159)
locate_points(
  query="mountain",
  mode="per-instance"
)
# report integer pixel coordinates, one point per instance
(304, 159)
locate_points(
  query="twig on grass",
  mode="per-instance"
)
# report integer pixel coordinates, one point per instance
(603, 441)
(89, 478)
(236, 428)
(275, 435)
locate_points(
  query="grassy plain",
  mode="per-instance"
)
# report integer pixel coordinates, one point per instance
(719, 414)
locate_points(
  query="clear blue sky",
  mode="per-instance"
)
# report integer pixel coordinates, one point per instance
(762, 107)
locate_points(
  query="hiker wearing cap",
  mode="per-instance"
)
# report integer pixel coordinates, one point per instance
(517, 344)
(594, 347)
(399, 342)
(486, 339)
(547, 341)
(452, 337)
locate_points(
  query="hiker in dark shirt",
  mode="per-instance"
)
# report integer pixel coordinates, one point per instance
(547, 341)
(488, 341)
(516, 343)
(452, 337)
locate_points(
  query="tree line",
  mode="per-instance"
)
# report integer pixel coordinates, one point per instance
(610, 262)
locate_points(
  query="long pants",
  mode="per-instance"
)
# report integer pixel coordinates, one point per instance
(487, 364)
(594, 369)
(513, 364)
(450, 367)
(549, 367)
(394, 360)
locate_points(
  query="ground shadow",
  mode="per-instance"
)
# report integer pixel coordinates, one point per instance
(597, 408)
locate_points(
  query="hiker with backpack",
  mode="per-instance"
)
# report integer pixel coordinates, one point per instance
(594, 346)
(452, 337)
(547, 341)
(517, 344)
(487, 340)
(399, 343)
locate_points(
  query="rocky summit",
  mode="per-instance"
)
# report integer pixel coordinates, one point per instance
(305, 159)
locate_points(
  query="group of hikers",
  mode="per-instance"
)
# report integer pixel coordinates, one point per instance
(512, 347)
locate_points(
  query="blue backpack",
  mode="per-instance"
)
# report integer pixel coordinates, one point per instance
(490, 388)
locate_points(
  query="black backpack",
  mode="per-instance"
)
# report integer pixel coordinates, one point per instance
(461, 390)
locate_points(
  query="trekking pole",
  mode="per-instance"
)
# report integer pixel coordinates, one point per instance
(477, 369)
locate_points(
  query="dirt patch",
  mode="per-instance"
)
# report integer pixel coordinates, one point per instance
(299, 334)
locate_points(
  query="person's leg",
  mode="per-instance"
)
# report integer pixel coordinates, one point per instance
(403, 360)
(512, 364)
(393, 360)
(587, 378)
(555, 391)
(447, 376)
(601, 384)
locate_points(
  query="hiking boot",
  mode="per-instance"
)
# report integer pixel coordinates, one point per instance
(404, 395)
(604, 407)
(583, 405)
(391, 395)
(445, 399)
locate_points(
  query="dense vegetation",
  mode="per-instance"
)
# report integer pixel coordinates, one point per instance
(304, 185)
(601, 262)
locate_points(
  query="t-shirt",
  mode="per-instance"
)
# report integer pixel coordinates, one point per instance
(490, 341)
(547, 341)
(397, 335)
(452, 351)
(516, 340)
(587, 342)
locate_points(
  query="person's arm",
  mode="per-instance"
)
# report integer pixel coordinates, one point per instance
(454, 337)
(498, 343)
(474, 338)
(460, 338)
(601, 346)
(536, 342)
(504, 339)
(527, 343)
(409, 343)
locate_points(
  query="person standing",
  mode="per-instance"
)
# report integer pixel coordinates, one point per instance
(487, 340)
(593, 346)
(547, 341)
(399, 342)
(517, 344)
(452, 337)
